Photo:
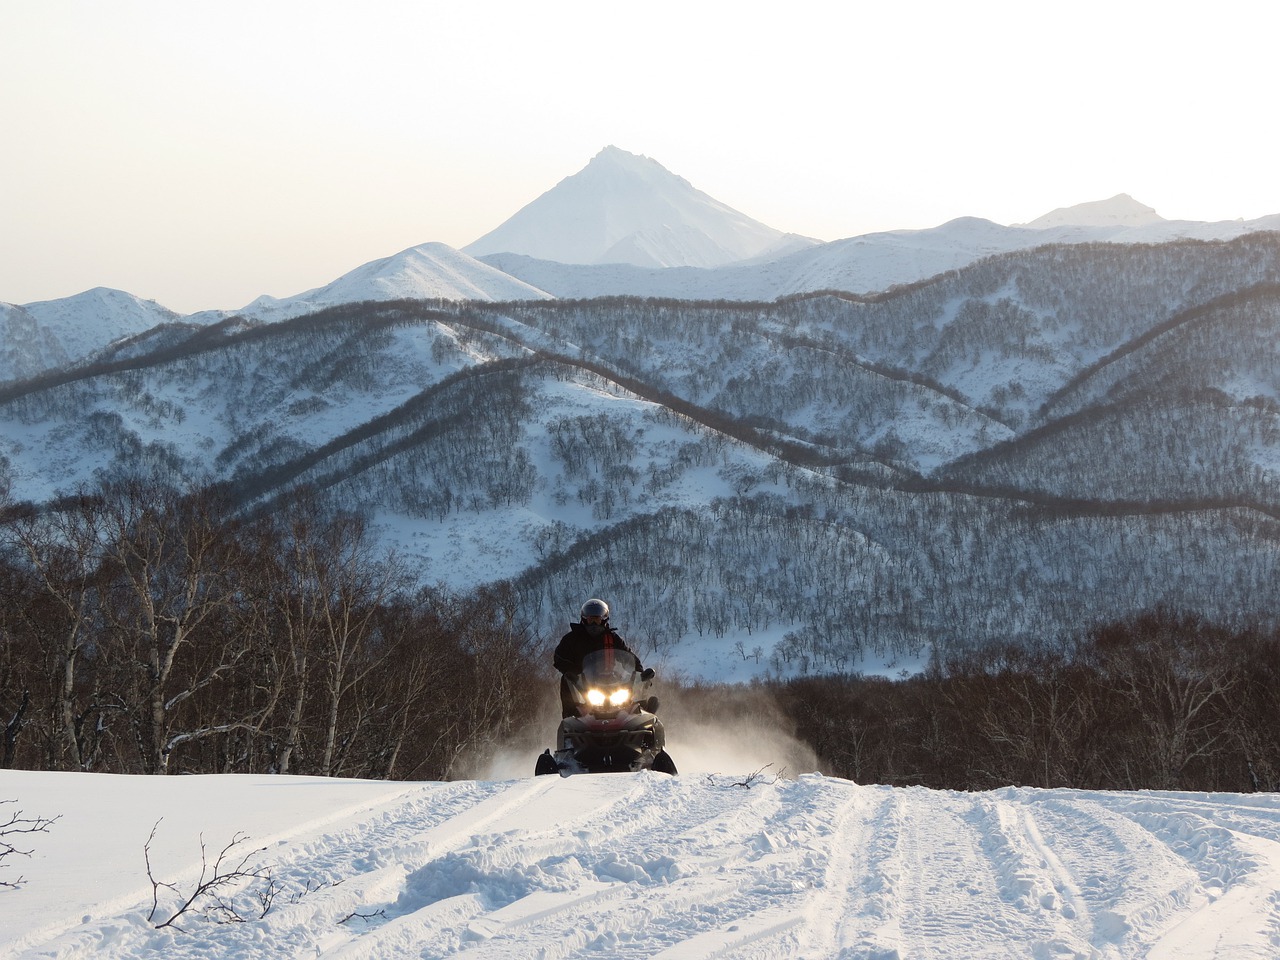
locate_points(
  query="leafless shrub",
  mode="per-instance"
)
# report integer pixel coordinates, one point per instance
(214, 891)
(18, 824)
(758, 778)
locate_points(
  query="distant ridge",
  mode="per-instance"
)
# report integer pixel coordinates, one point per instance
(1119, 211)
(624, 225)
(624, 208)
(428, 271)
(48, 334)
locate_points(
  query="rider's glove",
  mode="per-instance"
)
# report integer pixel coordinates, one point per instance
(647, 674)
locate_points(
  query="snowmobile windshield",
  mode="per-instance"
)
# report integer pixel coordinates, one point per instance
(608, 667)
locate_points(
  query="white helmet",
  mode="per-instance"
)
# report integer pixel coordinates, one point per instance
(596, 609)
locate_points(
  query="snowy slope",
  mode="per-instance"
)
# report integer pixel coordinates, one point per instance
(623, 208)
(430, 271)
(1120, 210)
(865, 264)
(47, 334)
(644, 866)
(870, 263)
(878, 261)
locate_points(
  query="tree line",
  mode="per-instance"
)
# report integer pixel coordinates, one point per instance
(1161, 700)
(149, 629)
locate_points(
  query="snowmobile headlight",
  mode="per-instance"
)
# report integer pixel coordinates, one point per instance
(595, 698)
(619, 697)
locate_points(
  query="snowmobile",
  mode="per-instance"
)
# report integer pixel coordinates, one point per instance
(615, 730)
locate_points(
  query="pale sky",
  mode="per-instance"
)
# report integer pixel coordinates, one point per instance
(201, 154)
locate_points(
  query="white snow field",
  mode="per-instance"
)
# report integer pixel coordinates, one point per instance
(640, 865)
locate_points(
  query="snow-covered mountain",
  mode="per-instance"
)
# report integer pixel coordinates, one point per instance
(48, 334)
(1120, 211)
(713, 863)
(865, 264)
(623, 208)
(429, 271)
(622, 226)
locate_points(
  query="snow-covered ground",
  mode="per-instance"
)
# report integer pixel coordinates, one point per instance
(711, 863)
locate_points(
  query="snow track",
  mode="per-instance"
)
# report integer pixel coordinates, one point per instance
(687, 868)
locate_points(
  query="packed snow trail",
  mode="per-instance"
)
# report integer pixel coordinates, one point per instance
(646, 865)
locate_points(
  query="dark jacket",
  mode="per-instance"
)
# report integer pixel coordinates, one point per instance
(577, 643)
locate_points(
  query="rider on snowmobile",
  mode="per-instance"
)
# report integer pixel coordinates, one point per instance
(592, 632)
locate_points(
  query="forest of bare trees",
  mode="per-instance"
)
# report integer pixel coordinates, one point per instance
(1162, 700)
(148, 630)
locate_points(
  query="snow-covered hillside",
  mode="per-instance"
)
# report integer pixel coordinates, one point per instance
(711, 863)
(623, 208)
(863, 265)
(41, 336)
(1120, 210)
(430, 271)
(870, 263)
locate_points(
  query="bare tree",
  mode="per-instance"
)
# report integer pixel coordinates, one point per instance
(329, 589)
(1178, 677)
(63, 550)
(174, 567)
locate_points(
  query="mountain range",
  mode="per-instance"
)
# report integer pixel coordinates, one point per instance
(1038, 441)
(49, 334)
(1037, 437)
(622, 226)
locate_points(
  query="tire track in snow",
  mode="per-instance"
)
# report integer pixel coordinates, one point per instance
(1125, 880)
(787, 881)
(847, 914)
(1055, 917)
(1240, 922)
(511, 873)
(1237, 912)
(730, 873)
(645, 866)
(957, 894)
(360, 876)
(680, 865)
(466, 869)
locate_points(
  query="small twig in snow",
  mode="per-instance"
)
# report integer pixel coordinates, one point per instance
(750, 780)
(366, 917)
(18, 824)
(215, 878)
